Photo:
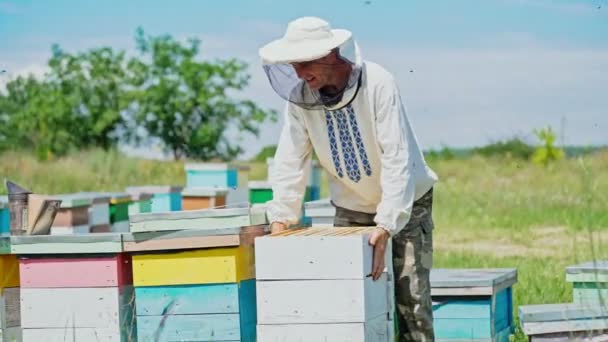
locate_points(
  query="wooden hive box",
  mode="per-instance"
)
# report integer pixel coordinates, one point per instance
(77, 287)
(164, 198)
(473, 304)
(203, 198)
(564, 322)
(5, 225)
(112, 211)
(320, 213)
(10, 316)
(220, 175)
(197, 219)
(319, 288)
(589, 282)
(140, 203)
(196, 284)
(73, 216)
(260, 192)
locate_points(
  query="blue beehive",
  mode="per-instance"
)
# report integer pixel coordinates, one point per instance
(473, 304)
(211, 175)
(164, 198)
(5, 227)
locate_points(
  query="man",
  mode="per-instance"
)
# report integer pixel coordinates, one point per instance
(349, 112)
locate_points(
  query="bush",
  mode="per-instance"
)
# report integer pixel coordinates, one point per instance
(514, 148)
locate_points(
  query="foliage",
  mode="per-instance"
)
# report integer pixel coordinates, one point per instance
(513, 148)
(97, 98)
(547, 152)
(265, 153)
(185, 102)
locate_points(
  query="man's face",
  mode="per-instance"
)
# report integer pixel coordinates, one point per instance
(317, 73)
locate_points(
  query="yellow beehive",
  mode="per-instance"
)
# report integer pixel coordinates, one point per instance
(204, 266)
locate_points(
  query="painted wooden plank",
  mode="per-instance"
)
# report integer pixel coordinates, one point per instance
(198, 299)
(587, 277)
(12, 335)
(479, 277)
(5, 245)
(347, 256)
(248, 305)
(374, 330)
(120, 227)
(534, 328)
(589, 296)
(119, 212)
(214, 327)
(78, 307)
(463, 308)
(74, 230)
(462, 328)
(197, 219)
(501, 336)
(78, 271)
(102, 228)
(187, 299)
(67, 244)
(99, 214)
(5, 226)
(72, 334)
(68, 217)
(585, 336)
(321, 301)
(10, 315)
(561, 312)
(589, 267)
(197, 203)
(152, 189)
(205, 266)
(183, 239)
(321, 207)
(9, 271)
(204, 192)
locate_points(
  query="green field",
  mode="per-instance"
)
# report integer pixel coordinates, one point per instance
(488, 212)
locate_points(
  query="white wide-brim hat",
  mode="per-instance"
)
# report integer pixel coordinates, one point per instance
(306, 39)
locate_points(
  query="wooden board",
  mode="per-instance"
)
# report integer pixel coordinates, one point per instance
(197, 219)
(5, 226)
(187, 239)
(120, 227)
(119, 212)
(107, 271)
(12, 335)
(102, 228)
(9, 271)
(597, 267)
(99, 213)
(211, 175)
(320, 208)
(374, 330)
(198, 300)
(339, 253)
(464, 282)
(67, 244)
(5, 245)
(561, 312)
(204, 192)
(74, 230)
(196, 203)
(73, 334)
(152, 189)
(68, 217)
(595, 336)
(321, 301)
(10, 312)
(589, 296)
(204, 266)
(74, 307)
(214, 327)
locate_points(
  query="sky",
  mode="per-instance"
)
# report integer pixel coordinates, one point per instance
(469, 72)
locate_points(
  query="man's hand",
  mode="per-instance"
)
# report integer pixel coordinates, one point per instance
(378, 239)
(277, 227)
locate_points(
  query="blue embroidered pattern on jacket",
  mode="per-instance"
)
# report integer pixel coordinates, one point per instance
(348, 147)
(333, 144)
(358, 140)
(347, 130)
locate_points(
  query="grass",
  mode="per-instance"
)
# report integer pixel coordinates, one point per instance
(488, 212)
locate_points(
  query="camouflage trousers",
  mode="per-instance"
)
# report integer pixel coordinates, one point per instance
(412, 262)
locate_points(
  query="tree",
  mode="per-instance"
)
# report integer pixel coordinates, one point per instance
(96, 78)
(36, 116)
(184, 102)
(547, 152)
